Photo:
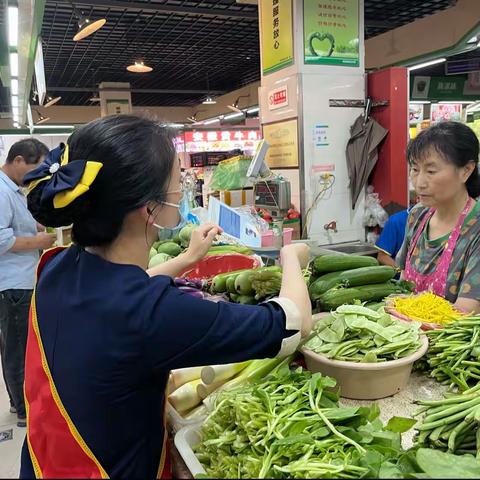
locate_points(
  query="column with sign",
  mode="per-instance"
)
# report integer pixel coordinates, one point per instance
(308, 137)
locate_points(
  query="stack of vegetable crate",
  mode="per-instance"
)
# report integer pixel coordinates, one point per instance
(344, 279)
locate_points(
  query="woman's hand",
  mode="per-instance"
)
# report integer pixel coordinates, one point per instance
(201, 241)
(301, 250)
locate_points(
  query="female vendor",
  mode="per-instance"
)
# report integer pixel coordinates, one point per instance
(441, 252)
(104, 332)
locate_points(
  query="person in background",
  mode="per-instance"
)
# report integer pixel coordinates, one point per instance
(441, 251)
(20, 242)
(105, 331)
(392, 236)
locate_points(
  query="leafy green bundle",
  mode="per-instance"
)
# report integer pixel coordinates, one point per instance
(290, 425)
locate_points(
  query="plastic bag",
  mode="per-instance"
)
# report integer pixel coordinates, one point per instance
(374, 212)
(230, 174)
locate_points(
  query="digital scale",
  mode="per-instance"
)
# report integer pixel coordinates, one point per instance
(273, 195)
(271, 192)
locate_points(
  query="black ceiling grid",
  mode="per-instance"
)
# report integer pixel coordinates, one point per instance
(183, 40)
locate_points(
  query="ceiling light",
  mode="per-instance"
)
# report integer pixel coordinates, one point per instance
(94, 99)
(420, 102)
(139, 67)
(48, 127)
(209, 101)
(14, 64)
(14, 100)
(213, 120)
(234, 108)
(175, 125)
(13, 26)
(427, 64)
(459, 102)
(14, 86)
(253, 110)
(235, 105)
(41, 118)
(16, 124)
(192, 119)
(51, 101)
(86, 27)
(233, 115)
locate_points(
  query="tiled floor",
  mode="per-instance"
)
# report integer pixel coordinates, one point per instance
(9, 449)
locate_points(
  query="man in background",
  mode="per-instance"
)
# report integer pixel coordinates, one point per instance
(20, 243)
(391, 238)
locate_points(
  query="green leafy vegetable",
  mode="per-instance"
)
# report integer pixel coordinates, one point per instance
(358, 334)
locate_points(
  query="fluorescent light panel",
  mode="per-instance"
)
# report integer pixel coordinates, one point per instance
(233, 115)
(46, 127)
(452, 102)
(213, 120)
(427, 64)
(253, 110)
(14, 86)
(13, 27)
(14, 64)
(14, 100)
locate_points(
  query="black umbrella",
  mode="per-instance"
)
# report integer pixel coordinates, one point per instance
(365, 136)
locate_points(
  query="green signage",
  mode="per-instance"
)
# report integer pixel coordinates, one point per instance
(452, 87)
(331, 32)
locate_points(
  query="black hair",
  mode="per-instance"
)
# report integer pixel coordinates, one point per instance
(137, 155)
(455, 142)
(31, 149)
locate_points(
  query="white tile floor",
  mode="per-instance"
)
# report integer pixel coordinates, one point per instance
(9, 449)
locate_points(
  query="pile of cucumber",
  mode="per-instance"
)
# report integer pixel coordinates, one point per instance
(248, 287)
(343, 279)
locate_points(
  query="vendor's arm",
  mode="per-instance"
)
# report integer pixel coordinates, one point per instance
(200, 242)
(469, 287)
(468, 305)
(182, 331)
(386, 244)
(386, 259)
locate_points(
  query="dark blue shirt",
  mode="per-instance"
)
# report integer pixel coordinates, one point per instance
(391, 238)
(112, 334)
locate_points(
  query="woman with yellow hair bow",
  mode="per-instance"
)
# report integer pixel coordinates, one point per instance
(104, 331)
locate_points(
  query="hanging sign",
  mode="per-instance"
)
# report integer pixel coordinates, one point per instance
(331, 32)
(276, 34)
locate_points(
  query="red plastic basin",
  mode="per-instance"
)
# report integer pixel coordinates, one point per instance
(212, 265)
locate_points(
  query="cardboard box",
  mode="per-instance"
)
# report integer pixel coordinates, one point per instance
(237, 198)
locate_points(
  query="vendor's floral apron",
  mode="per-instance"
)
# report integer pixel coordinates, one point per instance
(436, 281)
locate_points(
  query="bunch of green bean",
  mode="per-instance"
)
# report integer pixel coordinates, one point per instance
(452, 423)
(454, 353)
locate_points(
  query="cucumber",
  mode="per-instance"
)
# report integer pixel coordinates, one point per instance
(336, 297)
(337, 263)
(350, 278)
(229, 248)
